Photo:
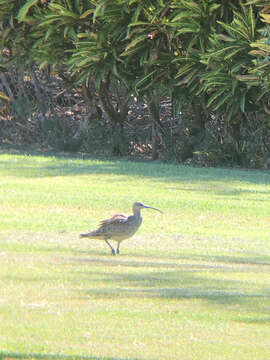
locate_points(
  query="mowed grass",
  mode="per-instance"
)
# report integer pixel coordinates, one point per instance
(193, 283)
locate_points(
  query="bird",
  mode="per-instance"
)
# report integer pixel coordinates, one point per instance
(119, 227)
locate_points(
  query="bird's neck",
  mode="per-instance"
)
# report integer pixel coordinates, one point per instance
(137, 212)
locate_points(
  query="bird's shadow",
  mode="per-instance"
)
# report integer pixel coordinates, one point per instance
(5, 355)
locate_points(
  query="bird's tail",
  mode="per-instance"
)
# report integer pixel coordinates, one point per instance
(90, 234)
(84, 235)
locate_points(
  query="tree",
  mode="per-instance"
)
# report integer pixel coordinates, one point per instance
(209, 57)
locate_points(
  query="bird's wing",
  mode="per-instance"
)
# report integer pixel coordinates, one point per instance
(114, 228)
(108, 228)
(116, 219)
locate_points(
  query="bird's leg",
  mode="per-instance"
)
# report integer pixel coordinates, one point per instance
(113, 251)
(118, 246)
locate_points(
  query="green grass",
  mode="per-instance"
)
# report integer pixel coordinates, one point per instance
(193, 283)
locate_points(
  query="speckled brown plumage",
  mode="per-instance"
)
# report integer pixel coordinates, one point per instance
(119, 227)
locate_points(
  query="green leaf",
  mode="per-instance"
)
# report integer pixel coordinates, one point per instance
(262, 94)
(221, 52)
(266, 18)
(86, 13)
(142, 80)
(98, 10)
(139, 23)
(213, 7)
(252, 22)
(243, 102)
(214, 97)
(89, 35)
(184, 69)
(231, 29)
(3, 96)
(222, 101)
(133, 43)
(24, 10)
(63, 11)
(48, 33)
(43, 65)
(188, 78)
(231, 54)
(180, 16)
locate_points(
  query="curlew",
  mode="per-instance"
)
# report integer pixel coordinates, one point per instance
(119, 227)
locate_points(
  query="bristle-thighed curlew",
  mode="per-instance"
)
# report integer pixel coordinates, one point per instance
(119, 227)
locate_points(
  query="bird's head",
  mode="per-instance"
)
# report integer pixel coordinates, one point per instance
(137, 206)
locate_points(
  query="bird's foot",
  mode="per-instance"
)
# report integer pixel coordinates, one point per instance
(112, 249)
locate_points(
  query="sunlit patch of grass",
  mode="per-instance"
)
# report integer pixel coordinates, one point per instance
(193, 283)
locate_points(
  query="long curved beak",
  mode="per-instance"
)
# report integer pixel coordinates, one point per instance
(150, 207)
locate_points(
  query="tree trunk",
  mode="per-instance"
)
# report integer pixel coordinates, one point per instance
(160, 130)
(197, 131)
(239, 157)
(154, 142)
(117, 117)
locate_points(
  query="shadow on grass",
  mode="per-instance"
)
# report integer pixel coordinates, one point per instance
(252, 259)
(174, 261)
(183, 284)
(224, 285)
(59, 164)
(34, 356)
(257, 321)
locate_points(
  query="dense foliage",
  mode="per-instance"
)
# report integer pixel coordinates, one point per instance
(210, 58)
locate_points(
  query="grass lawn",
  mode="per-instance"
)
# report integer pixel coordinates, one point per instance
(193, 283)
